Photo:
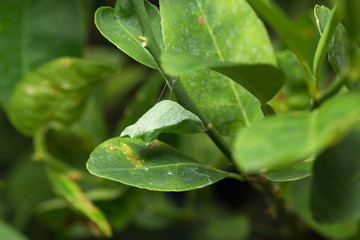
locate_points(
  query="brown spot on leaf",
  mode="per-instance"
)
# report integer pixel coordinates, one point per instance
(200, 20)
(131, 156)
(112, 148)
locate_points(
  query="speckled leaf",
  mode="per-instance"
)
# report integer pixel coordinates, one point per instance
(166, 116)
(34, 32)
(201, 28)
(155, 166)
(72, 193)
(338, 49)
(287, 138)
(297, 197)
(54, 93)
(262, 80)
(335, 188)
(123, 30)
(291, 172)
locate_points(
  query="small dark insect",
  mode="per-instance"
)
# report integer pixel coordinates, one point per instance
(153, 145)
(200, 20)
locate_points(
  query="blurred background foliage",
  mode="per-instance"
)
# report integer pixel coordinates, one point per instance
(227, 210)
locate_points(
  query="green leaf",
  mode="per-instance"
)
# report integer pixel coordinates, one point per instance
(165, 117)
(291, 172)
(53, 94)
(288, 138)
(297, 196)
(156, 166)
(200, 28)
(287, 30)
(68, 189)
(8, 232)
(335, 188)
(35, 32)
(123, 30)
(250, 76)
(338, 52)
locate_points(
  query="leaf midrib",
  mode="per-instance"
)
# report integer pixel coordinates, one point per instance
(163, 166)
(232, 85)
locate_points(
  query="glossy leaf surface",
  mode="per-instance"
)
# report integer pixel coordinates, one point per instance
(298, 200)
(335, 191)
(262, 80)
(338, 49)
(54, 93)
(31, 34)
(201, 28)
(166, 116)
(291, 172)
(123, 30)
(288, 138)
(70, 190)
(155, 166)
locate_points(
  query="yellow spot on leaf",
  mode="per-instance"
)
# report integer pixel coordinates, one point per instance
(131, 156)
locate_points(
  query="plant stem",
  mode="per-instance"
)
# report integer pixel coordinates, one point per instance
(332, 90)
(323, 45)
(42, 155)
(236, 177)
(178, 88)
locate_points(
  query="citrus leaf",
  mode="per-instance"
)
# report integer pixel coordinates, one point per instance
(31, 34)
(166, 116)
(72, 193)
(200, 28)
(338, 53)
(54, 93)
(261, 80)
(291, 172)
(123, 30)
(287, 138)
(297, 196)
(155, 166)
(335, 188)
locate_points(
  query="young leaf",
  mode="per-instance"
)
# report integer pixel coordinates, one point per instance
(288, 138)
(123, 30)
(54, 93)
(297, 196)
(335, 188)
(155, 166)
(69, 190)
(262, 80)
(338, 49)
(291, 172)
(200, 28)
(9, 232)
(166, 116)
(33, 33)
